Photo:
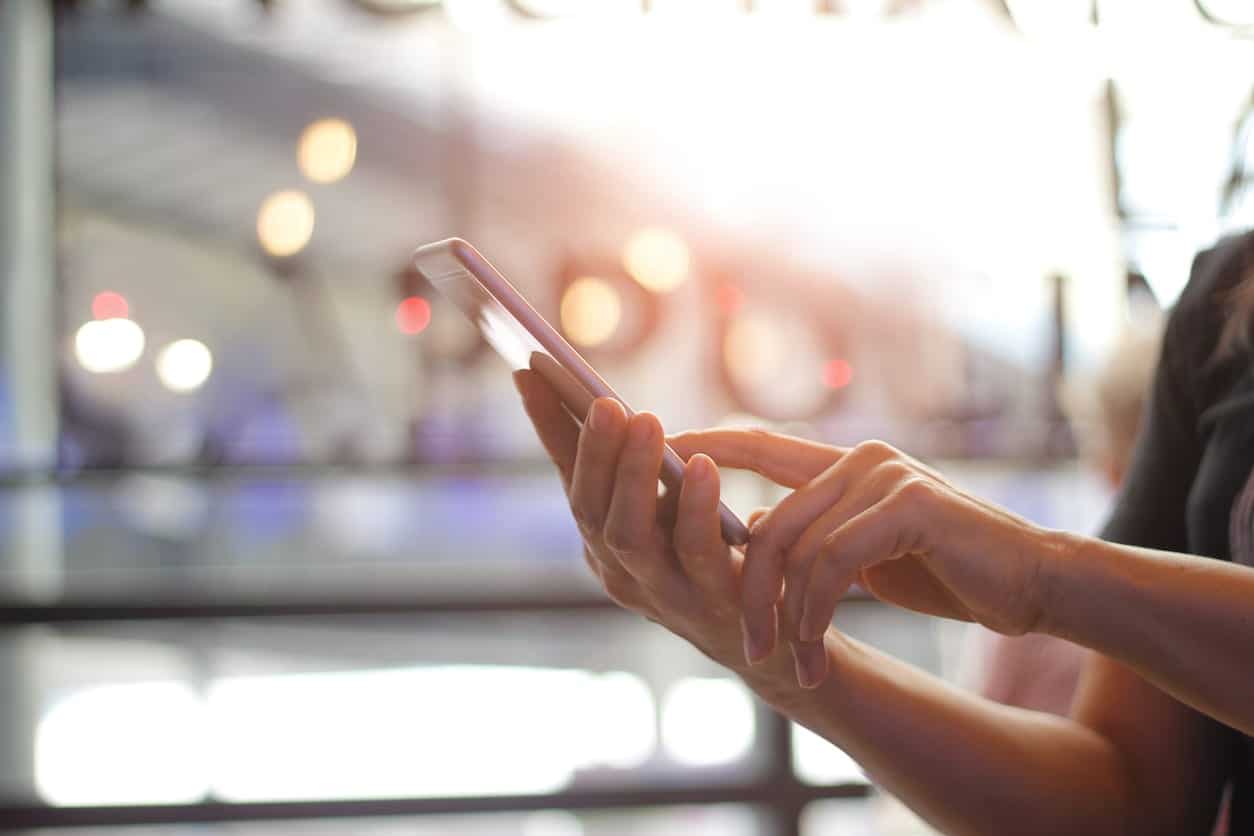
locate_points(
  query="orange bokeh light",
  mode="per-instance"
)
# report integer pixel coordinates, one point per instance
(730, 299)
(413, 315)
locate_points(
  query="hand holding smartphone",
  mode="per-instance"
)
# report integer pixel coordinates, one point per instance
(519, 334)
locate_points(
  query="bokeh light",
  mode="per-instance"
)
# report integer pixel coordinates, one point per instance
(285, 223)
(413, 315)
(707, 722)
(110, 305)
(657, 258)
(184, 365)
(591, 310)
(137, 743)
(730, 299)
(104, 346)
(327, 150)
(837, 374)
(753, 348)
(778, 362)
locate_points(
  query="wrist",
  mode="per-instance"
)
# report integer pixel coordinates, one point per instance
(1058, 557)
(774, 679)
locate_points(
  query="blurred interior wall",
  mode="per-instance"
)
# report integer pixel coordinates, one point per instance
(28, 428)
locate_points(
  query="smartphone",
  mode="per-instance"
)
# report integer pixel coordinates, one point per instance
(519, 334)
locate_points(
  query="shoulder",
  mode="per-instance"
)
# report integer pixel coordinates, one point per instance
(1197, 318)
(1215, 272)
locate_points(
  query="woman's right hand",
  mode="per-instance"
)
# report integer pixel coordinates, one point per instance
(874, 515)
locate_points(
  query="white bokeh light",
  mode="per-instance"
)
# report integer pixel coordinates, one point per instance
(819, 761)
(417, 732)
(139, 743)
(105, 346)
(631, 738)
(184, 365)
(423, 732)
(707, 722)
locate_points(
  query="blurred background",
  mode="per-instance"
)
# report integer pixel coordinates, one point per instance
(279, 551)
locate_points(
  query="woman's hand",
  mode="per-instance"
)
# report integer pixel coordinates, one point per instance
(873, 515)
(682, 576)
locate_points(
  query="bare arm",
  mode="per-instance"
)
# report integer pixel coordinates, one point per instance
(1185, 624)
(966, 764)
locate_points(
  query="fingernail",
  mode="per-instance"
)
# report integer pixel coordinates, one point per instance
(699, 468)
(812, 628)
(599, 415)
(641, 430)
(756, 647)
(798, 662)
(810, 658)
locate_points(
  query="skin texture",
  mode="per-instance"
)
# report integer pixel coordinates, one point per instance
(1143, 752)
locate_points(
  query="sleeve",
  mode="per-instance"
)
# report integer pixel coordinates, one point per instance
(1151, 508)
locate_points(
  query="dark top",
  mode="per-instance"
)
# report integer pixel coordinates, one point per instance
(1190, 487)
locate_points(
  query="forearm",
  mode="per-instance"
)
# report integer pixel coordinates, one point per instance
(962, 762)
(1184, 623)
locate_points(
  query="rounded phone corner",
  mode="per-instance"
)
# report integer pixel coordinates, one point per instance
(461, 248)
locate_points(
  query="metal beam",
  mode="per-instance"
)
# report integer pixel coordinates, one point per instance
(28, 398)
(18, 817)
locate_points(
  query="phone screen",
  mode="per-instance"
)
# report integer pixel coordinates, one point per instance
(499, 327)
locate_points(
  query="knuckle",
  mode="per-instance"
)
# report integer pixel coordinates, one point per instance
(892, 472)
(587, 522)
(621, 540)
(874, 450)
(915, 491)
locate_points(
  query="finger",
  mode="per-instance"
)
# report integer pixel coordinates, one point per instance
(785, 523)
(810, 659)
(631, 530)
(876, 535)
(698, 539)
(757, 514)
(783, 459)
(596, 461)
(558, 432)
(800, 558)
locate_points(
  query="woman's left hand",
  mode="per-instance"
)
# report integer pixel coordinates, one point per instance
(667, 564)
(871, 514)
